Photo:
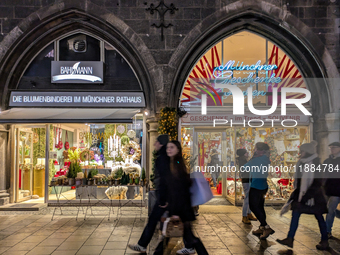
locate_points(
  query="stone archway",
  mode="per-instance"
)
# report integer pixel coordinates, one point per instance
(43, 26)
(282, 28)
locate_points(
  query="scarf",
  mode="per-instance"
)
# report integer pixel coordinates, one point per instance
(307, 178)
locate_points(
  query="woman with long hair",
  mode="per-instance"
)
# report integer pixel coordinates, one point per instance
(179, 199)
(308, 196)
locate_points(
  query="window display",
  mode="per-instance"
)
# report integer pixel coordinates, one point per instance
(284, 148)
(81, 155)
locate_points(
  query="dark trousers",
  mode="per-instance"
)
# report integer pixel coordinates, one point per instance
(149, 229)
(256, 204)
(295, 223)
(189, 240)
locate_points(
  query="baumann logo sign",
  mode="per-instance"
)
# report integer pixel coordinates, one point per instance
(77, 72)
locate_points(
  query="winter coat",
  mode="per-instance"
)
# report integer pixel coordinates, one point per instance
(214, 160)
(332, 185)
(179, 197)
(313, 201)
(241, 161)
(258, 177)
(162, 170)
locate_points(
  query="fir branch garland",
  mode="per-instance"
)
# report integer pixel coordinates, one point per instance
(168, 122)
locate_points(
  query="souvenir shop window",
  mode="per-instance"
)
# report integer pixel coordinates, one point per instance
(284, 152)
(101, 155)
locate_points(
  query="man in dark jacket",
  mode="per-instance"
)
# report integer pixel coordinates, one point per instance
(332, 185)
(162, 169)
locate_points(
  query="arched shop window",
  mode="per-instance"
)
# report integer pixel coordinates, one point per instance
(245, 60)
(239, 60)
(118, 74)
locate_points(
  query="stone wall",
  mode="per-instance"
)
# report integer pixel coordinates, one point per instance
(321, 16)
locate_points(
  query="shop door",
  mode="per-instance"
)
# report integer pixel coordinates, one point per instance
(24, 164)
(212, 148)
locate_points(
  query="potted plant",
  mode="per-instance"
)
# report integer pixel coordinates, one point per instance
(53, 181)
(136, 179)
(131, 179)
(142, 179)
(110, 180)
(118, 176)
(91, 175)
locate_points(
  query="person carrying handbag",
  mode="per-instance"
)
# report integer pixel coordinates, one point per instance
(308, 196)
(178, 184)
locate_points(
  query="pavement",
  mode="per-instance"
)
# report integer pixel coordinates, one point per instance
(219, 227)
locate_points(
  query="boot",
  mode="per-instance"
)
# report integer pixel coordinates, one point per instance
(245, 220)
(251, 217)
(266, 232)
(259, 231)
(323, 245)
(287, 241)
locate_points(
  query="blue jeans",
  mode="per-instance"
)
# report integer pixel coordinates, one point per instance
(245, 208)
(332, 205)
(295, 223)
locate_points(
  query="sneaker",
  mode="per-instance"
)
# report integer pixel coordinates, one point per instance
(266, 232)
(329, 235)
(137, 247)
(251, 217)
(259, 231)
(186, 251)
(245, 220)
(323, 245)
(287, 241)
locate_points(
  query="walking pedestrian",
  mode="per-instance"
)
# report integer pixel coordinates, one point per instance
(241, 160)
(259, 187)
(332, 184)
(308, 195)
(178, 185)
(162, 170)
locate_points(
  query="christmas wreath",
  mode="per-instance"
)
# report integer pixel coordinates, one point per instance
(132, 150)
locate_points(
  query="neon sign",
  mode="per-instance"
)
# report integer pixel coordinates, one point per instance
(224, 74)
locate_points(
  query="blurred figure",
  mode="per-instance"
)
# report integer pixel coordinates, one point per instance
(332, 185)
(241, 160)
(259, 187)
(214, 160)
(308, 196)
(179, 198)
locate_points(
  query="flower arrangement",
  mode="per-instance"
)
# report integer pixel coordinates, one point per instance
(132, 150)
(86, 155)
(73, 155)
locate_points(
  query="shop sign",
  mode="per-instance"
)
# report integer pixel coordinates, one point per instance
(77, 72)
(247, 120)
(77, 99)
(225, 74)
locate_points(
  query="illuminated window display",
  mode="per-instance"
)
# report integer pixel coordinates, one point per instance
(262, 71)
(107, 157)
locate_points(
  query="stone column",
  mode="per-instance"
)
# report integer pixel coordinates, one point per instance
(333, 125)
(152, 125)
(4, 177)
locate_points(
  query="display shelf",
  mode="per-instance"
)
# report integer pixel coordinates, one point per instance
(292, 139)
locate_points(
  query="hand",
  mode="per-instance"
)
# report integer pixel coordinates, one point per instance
(164, 206)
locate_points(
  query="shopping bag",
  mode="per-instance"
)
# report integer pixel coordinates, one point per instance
(173, 227)
(200, 189)
(286, 207)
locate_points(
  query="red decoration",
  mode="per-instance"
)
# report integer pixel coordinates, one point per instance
(219, 188)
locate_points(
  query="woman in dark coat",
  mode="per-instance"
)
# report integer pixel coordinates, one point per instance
(179, 199)
(308, 196)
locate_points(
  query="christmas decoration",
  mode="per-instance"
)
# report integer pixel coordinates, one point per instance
(168, 122)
